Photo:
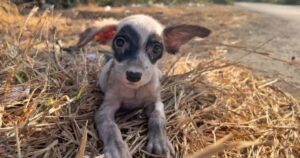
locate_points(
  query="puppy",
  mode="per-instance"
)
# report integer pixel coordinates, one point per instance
(131, 79)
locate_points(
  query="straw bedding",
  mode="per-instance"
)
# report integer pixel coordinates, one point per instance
(48, 99)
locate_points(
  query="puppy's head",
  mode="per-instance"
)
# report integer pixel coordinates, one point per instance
(139, 42)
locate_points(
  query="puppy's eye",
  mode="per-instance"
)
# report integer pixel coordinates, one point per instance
(120, 42)
(157, 49)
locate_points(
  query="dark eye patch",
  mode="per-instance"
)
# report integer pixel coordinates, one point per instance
(131, 40)
(154, 48)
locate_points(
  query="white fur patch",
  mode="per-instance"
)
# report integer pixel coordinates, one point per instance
(143, 24)
(159, 106)
(102, 82)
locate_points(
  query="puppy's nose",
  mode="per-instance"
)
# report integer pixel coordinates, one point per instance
(133, 76)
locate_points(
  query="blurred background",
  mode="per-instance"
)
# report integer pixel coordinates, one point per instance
(243, 79)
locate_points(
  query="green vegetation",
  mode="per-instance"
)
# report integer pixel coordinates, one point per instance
(70, 3)
(223, 1)
(275, 1)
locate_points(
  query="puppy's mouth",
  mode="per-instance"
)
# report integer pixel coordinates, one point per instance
(133, 85)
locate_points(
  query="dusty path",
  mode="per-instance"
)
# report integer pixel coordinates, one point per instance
(283, 11)
(276, 31)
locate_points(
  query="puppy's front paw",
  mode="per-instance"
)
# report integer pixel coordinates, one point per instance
(160, 146)
(117, 149)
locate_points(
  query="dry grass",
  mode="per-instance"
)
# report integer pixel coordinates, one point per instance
(48, 99)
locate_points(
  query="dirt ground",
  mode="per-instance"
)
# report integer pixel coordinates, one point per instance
(275, 32)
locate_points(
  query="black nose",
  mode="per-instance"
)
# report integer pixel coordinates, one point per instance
(133, 76)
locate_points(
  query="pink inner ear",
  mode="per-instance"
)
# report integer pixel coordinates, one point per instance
(175, 36)
(106, 34)
(174, 40)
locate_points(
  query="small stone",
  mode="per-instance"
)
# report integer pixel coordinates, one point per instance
(293, 58)
(107, 8)
(91, 57)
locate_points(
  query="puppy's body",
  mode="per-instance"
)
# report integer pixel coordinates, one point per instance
(130, 79)
(130, 98)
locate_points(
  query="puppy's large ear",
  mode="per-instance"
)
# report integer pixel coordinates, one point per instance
(175, 36)
(103, 35)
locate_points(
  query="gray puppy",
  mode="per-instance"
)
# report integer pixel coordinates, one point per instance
(131, 79)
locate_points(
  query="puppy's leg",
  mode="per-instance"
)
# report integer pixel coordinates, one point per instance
(114, 146)
(158, 141)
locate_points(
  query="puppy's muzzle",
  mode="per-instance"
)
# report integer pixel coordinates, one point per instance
(133, 76)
